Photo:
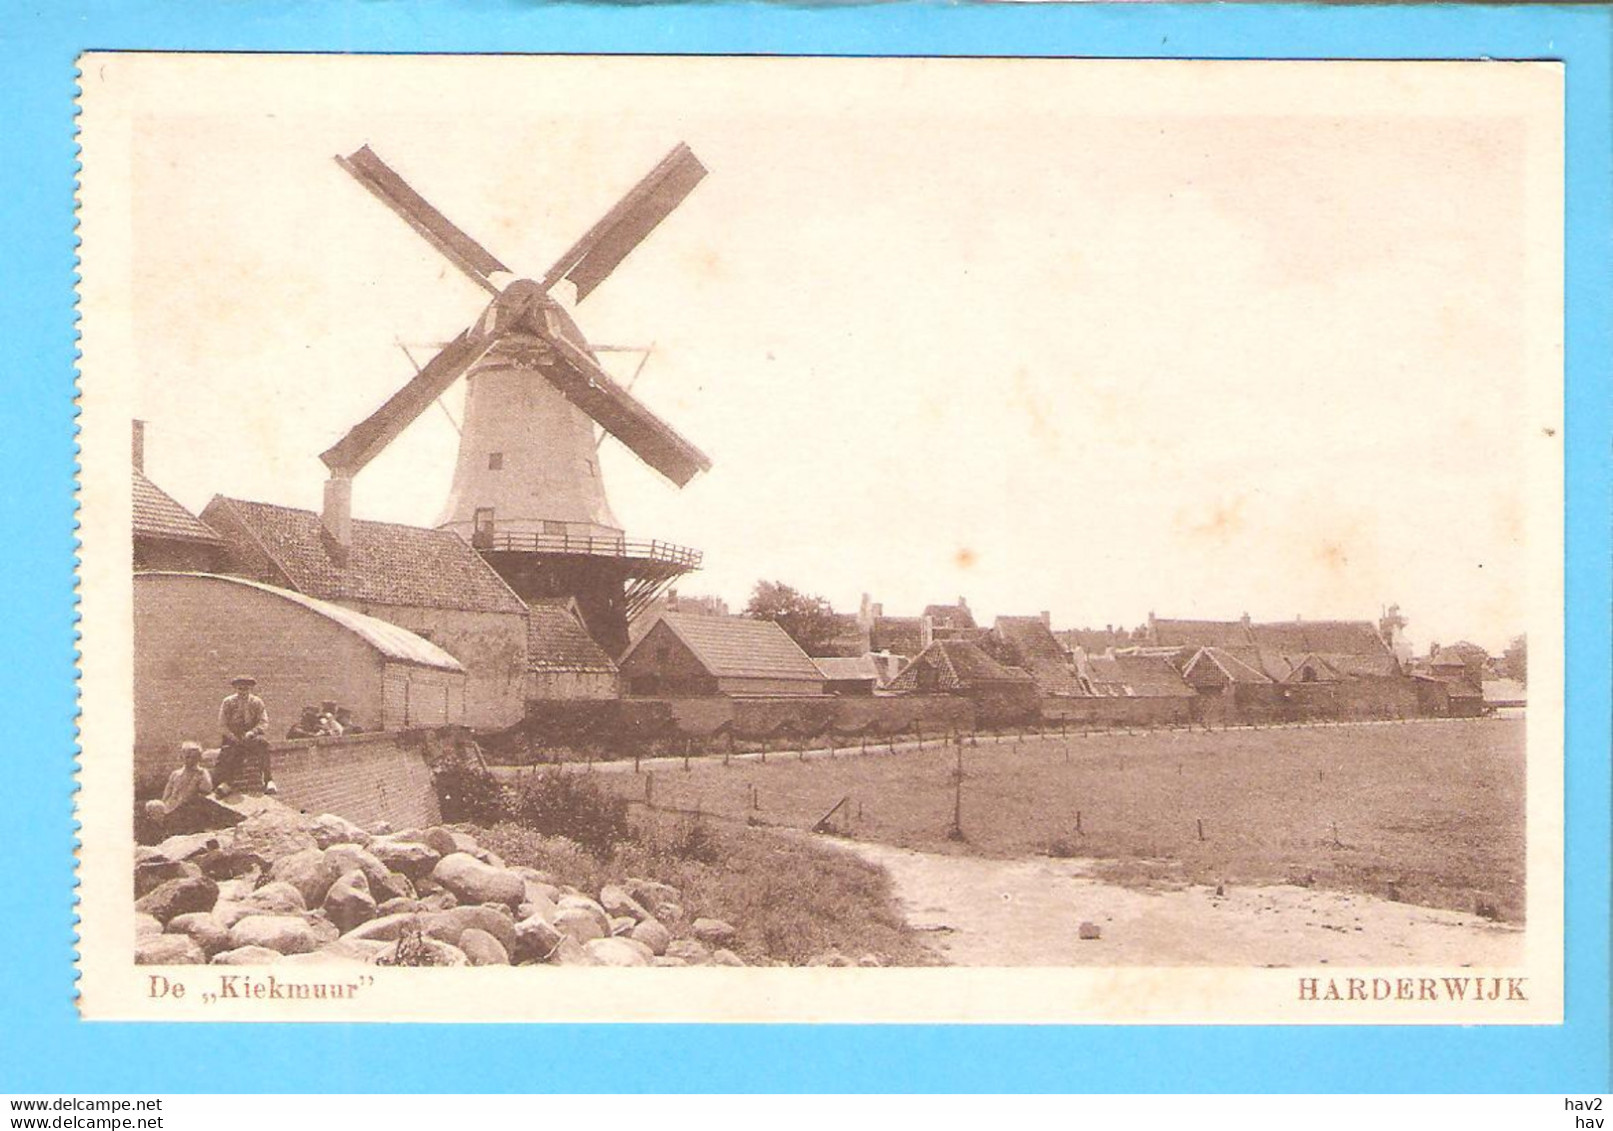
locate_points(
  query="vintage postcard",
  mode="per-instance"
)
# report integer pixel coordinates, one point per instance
(806, 539)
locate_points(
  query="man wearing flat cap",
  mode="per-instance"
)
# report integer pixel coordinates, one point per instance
(244, 720)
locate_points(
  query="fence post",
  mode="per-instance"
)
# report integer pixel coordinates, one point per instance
(686, 743)
(649, 790)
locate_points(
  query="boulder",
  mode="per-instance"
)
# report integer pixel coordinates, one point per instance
(308, 872)
(650, 892)
(618, 904)
(570, 952)
(713, 931)
(146, 925)
(232, 913)
(533, 875)
(472, 881)
(579, 924)
(619, 952)
(185, 845)
(387, 929)
(398, 905)
(438, 901)
(653, 935)
(667, 960)
(583, 903)
(623, 925)
(343, 858)
(277, 897)
(177, 897)
(158, 871)
(328, 829)
(349, 902)
(227, 864)
(440, 840)
(541, 893)
(273, 832)
(870, 961)
(692, 951)
(394, 885)
(1089, 932)
(247, 956)
(536, 940)
(727, 958)
(380, 828)
(450, 925)
(167, 950)
(537, 905)
(236, 891)
(668, 912)
(829, 958)
(205, 928)
(287, 934)
(482, 949)
(409, 857)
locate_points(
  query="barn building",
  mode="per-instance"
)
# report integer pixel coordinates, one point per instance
(684, 655)
(564, 661)
(194, 632)
(850, 675)
(430, 582)
(960, 667)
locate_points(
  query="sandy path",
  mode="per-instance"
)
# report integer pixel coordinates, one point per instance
(1028, 911)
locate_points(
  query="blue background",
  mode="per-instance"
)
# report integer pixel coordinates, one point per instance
(43, 1047)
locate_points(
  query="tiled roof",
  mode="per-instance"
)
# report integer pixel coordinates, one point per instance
(557, 642)
(950, 616)
(847, 667)
(1141, 675)
(902, 635)
(157, 515)
(742, 647)
(1201, 633)
(1235, 670)
(960, 666)
(396, 644)
(388, 564)
(1028, 643)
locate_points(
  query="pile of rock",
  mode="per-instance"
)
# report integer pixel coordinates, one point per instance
(285, 889)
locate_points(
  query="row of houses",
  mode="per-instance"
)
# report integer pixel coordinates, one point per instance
(448, 640)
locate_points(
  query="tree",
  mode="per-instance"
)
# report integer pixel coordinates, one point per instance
(1515, 660)
(808, 619)
(1473, 657)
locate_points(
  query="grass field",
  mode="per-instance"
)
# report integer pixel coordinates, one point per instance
(1427, 812)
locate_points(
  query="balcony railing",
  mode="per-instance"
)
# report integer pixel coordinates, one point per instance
(594, 546)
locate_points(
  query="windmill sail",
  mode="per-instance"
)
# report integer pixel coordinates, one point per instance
(460, 250)
(602, 248)
(366, 440)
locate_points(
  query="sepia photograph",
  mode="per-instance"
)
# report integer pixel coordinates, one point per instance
(649, 538)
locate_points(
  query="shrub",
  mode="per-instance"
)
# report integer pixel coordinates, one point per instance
(571, 806)
(466, 791)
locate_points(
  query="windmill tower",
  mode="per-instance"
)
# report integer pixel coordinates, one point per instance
(527, 491)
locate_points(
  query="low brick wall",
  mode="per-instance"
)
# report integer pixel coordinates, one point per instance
(364, 778)
(1128, 710)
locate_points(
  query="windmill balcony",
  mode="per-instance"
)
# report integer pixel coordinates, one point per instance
(519, 542)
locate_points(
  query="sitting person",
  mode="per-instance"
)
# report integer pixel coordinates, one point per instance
(344, 716)
(328, 724)
(186, 785)
(243, 718)
(308, 726)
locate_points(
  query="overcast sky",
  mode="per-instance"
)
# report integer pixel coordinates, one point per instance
(1048, 337)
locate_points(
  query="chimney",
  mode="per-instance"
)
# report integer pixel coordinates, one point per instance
(1047, 618)
(1245, 620)
(962, 604)
(139, 440)
(337, 516)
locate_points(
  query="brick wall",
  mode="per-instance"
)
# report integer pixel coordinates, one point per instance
(365, 778)
(570, 686)
(1120, 710)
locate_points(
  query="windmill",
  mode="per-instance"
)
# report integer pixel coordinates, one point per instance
(527, 491)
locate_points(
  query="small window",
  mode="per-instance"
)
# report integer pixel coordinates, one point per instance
(495, 461)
